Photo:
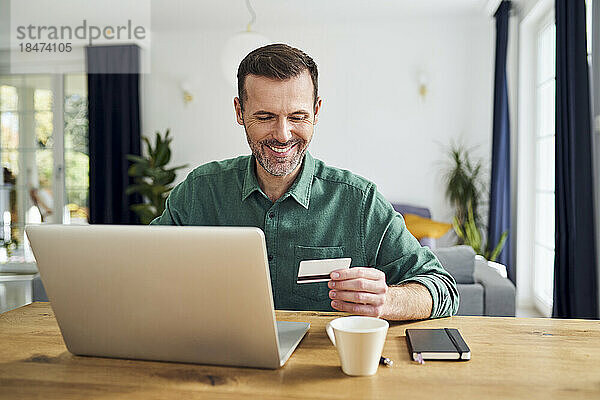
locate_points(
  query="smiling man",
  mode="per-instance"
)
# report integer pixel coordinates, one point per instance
(307, 209)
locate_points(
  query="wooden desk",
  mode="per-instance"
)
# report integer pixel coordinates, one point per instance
(511, 358)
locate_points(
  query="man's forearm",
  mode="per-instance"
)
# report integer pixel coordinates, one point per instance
(407, 301)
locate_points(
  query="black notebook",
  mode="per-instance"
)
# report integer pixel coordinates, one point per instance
(437, 344)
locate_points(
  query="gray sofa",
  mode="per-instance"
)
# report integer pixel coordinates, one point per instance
(482, 290)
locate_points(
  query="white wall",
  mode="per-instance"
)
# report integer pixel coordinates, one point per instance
(372, 120)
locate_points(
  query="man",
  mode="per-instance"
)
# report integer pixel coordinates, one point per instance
(308, 210)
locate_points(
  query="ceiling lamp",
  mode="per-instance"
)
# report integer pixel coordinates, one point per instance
(238, 46)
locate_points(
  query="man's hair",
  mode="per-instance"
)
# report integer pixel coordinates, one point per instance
(276, 61)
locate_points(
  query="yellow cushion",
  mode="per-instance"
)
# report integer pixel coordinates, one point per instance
(424, 227)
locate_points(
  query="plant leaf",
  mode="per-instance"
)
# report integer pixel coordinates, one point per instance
(148, 146)
(163, 155)
(494, 254)
(137, 170)
(137, 159)
(152, 179)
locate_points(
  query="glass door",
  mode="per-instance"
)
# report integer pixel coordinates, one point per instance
(44, 156)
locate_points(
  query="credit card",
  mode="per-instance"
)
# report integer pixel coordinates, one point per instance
(311, 271)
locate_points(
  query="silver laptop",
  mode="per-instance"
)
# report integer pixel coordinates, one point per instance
(185, 294)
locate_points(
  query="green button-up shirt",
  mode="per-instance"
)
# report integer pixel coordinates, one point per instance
(326, 213)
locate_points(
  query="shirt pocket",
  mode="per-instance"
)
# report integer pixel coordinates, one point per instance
(318, 291)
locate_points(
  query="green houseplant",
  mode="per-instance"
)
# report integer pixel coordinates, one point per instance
(464, 190)
(463, 184)
(470, 234)
(152, 179)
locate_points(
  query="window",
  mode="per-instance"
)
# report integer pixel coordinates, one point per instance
(543, 253)
(44, 156)
(76, 150)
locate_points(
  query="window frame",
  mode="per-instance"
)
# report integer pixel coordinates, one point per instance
(57, 85)
(539, 302)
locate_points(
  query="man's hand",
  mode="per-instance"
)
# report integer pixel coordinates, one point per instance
(358, 290)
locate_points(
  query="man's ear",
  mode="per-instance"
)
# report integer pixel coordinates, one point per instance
(318, 104)
(239, 116)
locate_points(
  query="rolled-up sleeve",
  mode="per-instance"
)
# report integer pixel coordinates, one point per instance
(390, 247)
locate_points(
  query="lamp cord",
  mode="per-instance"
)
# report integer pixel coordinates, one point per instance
(252, 13)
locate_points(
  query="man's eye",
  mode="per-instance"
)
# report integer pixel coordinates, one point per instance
(264, 118)
(297, 118)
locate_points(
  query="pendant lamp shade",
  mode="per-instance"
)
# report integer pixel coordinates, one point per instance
(236, 48)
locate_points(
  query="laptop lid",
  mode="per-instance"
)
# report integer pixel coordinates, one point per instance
(186, 294)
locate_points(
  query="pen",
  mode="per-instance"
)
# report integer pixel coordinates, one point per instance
(386, 361)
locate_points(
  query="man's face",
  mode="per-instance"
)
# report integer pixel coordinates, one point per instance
(279, 118)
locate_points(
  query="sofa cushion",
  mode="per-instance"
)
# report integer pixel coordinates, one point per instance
(424, 227)
(500, 293)
(405, 208)
(459, 261)
(420, 211)
(471, 299)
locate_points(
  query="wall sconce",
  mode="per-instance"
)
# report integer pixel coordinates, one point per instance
(188, 95)
(423, 85)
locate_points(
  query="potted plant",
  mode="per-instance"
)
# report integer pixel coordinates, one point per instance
(464, 190)
(153, 180)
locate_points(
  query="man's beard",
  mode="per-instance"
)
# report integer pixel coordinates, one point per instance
(273, 165)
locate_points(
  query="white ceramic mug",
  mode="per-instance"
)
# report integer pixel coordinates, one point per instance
(359, 342)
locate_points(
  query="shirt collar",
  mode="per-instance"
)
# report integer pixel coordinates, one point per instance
(250, 181)
(300, 189)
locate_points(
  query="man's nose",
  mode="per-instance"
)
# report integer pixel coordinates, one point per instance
(282, 131)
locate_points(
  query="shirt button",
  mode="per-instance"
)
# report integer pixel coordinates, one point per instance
(270, 257)
(272, 215)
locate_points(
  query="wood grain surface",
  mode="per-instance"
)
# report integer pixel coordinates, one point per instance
(511, 358)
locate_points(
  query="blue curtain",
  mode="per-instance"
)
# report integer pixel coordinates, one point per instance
(499, 212)
(114, 130)
(575, 285)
